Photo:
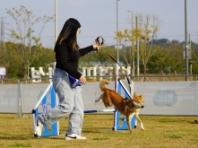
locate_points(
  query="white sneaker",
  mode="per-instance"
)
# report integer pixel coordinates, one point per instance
(75, 137)
(38, 130)
(41, 122)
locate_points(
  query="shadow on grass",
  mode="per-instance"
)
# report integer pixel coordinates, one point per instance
(102, 138)
(193, 122)
(175, 136)
(20, 145)
(17, 137)
(167, 121)
(97, 130)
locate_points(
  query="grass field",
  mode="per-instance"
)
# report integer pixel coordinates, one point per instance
(160, 132)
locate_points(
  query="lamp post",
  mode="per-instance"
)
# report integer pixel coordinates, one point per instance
(132, 57)
(117, 50)
(2, 32)
(137, 47)
(186, 40)
(55, 19)
(117, 27)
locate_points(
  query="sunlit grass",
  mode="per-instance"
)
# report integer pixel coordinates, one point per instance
(160, 131)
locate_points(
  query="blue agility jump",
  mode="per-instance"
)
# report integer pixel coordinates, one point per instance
(49, 100)
(120, 123)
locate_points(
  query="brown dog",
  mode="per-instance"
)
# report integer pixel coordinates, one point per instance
(127, 107)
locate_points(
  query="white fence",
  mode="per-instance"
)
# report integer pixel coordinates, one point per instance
(161, 98)
(38, 73)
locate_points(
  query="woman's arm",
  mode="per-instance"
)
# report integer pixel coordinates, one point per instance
(86, 50)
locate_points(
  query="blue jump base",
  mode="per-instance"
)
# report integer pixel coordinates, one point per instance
(120, 122)
(53, 128)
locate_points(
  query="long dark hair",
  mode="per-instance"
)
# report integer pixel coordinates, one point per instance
(68, 34)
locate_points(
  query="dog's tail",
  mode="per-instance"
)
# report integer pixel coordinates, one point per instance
(103, 84)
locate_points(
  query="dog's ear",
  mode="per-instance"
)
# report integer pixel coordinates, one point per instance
(134, 94)
(106, 81)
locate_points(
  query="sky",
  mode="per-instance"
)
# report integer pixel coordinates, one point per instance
(98, 17)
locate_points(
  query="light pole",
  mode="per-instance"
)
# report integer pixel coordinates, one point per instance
(2, 33)
(117, 50)
(186, 39)
(132, 61)
(137, 47)
(55, 19)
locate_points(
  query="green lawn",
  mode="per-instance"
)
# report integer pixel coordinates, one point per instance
(160, 132)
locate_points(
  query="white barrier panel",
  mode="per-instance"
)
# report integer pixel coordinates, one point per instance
(169, 98)
(161, 98)
(29, 95)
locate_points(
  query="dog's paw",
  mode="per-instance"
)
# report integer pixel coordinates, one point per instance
(142, 128)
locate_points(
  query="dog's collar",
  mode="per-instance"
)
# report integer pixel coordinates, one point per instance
(137, 105)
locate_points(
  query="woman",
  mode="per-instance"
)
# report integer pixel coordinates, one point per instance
(70, 98)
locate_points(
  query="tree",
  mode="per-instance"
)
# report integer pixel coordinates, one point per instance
(146, 37)
(167, 58)
(14, 63)
(25, 34)
(141, 39)
(194, 60)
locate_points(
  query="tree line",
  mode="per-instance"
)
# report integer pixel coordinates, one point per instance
(166, 58)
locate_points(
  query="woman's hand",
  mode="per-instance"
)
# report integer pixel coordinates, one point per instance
(96, 47)
(82, 80)
(99, 41)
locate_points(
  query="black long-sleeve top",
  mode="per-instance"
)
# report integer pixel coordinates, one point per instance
(68, 59)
